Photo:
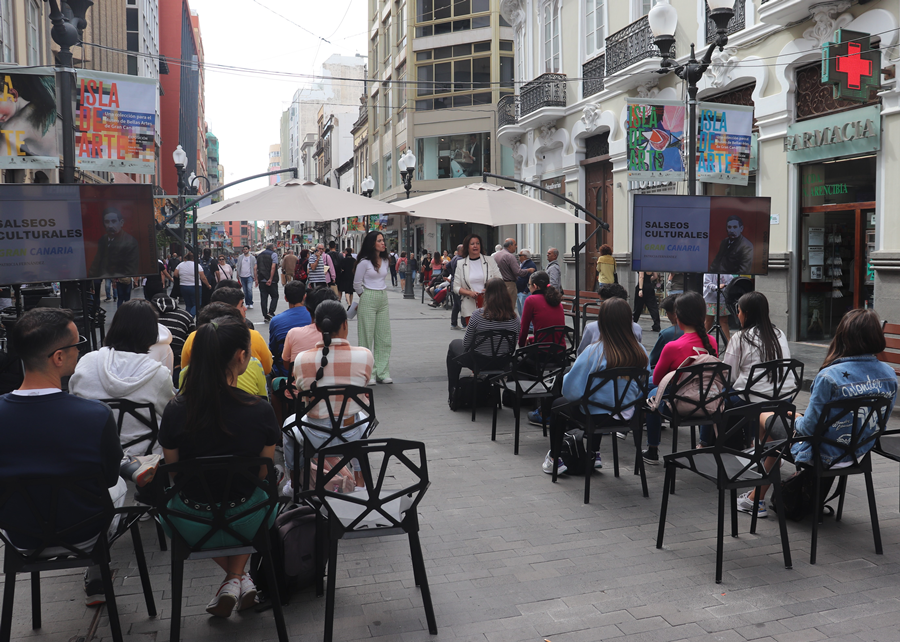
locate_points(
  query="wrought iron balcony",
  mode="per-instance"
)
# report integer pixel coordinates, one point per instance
(592, 74)
(629, 46)
(547, 90)
(736, 24)
(508, 110)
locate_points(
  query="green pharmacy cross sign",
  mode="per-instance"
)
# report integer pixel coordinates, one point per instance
(851, 65)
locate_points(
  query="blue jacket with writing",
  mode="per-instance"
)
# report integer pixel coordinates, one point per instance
(845, 378)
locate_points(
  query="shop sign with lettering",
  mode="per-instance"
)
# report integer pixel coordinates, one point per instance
(835, 135)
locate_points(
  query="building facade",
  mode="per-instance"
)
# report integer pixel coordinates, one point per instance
(577, 62)
(274, 163)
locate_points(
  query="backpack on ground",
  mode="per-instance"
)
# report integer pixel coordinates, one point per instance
(462, 394)
(572, 452)
(264, 265)
(293, 544)
(692, 389)
(798, 492)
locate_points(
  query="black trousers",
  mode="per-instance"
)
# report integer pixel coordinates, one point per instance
(454, 366)
(266, 291)
(394, 275)
(454, 314)
(649, 300)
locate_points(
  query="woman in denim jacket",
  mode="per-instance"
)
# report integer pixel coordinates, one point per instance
(850, 370)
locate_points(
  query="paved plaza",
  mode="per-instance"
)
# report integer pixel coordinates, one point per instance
(511, 556)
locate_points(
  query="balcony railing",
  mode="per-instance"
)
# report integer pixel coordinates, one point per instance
(547, 90)
(629, 46)
(737, 23)
(592, 74)
(508, 110)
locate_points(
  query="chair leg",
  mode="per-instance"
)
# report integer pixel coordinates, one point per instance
(693, 437)
(615, 445)
(555, 442)
(842, 488)
(754, 516)
(161, 536)
(639, 463)
(782, 522)
(494, 424)
(545, 410)
(517, 411)
(142, 569)
(817, 517)
(873, 512)
(474, 395)
(35, 600)
(112, 610)
(734, 516)
(274, 597)
(329, 597)
(419, 561)
(177, 588)
(720, 536)
(320, 554)
(588, 471)
(9, 593)
(670, 470)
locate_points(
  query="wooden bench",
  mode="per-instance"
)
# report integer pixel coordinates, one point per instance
(891, 353)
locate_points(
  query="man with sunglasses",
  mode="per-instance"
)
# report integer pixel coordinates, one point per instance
(48, 432)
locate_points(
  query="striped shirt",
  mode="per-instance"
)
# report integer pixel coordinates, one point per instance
(477, 323)
(347, 366)
(316, 275)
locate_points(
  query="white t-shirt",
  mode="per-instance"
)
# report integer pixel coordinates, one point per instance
(476, 276)
(186, 273)
(368, 278)
(742, 356)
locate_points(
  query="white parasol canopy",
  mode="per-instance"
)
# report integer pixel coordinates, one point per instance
(295, 200)
(487, 204)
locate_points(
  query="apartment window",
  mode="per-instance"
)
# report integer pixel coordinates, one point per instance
(520, 55)
(386, 42)
(551, 38)
(459, 75)
(401, 102)
(132, 34)
(33, 32)
(401, 25)
(7, 48)
(388, 171)
(444, 13)
(454, 156)
(595, 26)
(640, 8)
(375, 56)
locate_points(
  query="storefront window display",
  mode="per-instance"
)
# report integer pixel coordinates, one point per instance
(453, 156)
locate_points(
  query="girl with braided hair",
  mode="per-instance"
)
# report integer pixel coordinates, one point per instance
(333, 362)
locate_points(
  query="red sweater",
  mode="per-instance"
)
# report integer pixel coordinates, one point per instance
(541, 314)
(675, 352)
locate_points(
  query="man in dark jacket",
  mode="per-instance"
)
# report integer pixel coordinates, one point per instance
(117, 251)
(735, 255)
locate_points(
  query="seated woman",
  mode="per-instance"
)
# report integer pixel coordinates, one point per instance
(333, 362)
(253, 379)
(542, 309)
(498, 313)
(851, 369)
(123, 369)
(690, 311)
(212, 417)
(618, 348)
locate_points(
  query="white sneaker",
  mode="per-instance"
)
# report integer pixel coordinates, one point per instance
(248, 593)
(372, 381)
(547, 466)
(620, 435)
(250, 307)
(226, 598)
(287, 490)
(387, 380)
(745, 505)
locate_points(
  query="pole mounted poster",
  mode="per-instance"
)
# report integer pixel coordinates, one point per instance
(29, 127)
(116, 123)
(723, 143)
(655, 130)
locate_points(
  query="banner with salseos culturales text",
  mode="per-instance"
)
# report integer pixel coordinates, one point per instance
(655, 133)
(116, 118)
(723, 143)
(29, 126)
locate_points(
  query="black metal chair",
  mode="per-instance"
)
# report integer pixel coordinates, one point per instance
(37, 538)
(597, 418)
(683, 410)
(561, 334)
(860, 422)
(386, 506)
(501, 345)
(151, 493)
(888, 445)
(731, 469)
(536, 373)
(785, 376)
(214, 480)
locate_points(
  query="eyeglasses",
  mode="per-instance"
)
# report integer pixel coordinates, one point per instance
(81, 341)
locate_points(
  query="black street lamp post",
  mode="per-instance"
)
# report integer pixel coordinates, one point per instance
(407, 164)
(196, 239)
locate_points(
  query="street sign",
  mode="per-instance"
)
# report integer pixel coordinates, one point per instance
(851, 66)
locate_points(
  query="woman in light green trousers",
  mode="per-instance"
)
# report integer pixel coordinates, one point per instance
(374, 319)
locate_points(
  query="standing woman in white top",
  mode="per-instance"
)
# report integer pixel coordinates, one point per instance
(374, 318)
(472, 273)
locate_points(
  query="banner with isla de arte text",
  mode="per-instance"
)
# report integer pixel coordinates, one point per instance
(655, 133)
(724, 135)
(29, 124)
(116, 116)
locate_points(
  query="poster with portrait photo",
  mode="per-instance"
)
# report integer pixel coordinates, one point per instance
(29, 123)
(739, 235)
(119, 230)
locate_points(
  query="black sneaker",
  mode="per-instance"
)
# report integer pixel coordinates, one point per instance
(651, 456)
(94, 593)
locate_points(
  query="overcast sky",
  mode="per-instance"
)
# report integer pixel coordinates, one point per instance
(244, 110)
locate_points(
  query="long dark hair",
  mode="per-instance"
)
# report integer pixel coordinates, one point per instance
(497, 304)
(620, 347)
(755, 308)
(468, 240)
(330, 316)
(134, 327)
(858, 333)
(541, 282)
(690, 308)
(215, 345)
(369, 252)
